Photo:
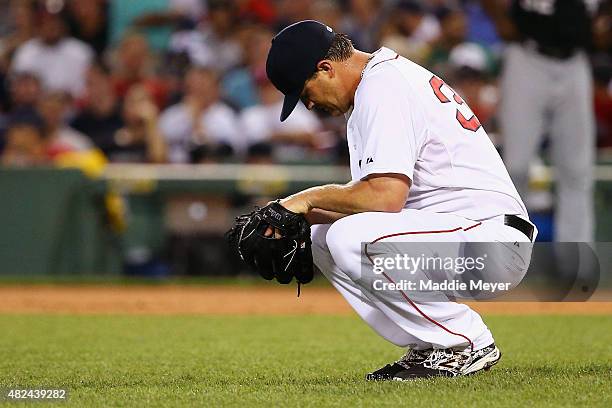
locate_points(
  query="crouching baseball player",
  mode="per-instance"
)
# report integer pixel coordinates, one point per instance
(423, 170)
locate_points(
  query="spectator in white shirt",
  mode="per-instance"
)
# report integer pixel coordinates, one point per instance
(285, 141)
(200, 127)
(59, 61)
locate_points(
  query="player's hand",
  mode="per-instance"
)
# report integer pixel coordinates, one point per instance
(294, 204)
(270, 231)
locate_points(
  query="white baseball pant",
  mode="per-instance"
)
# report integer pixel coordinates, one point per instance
(337, 252)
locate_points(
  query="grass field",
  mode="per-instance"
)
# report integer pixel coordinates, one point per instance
(303, 360)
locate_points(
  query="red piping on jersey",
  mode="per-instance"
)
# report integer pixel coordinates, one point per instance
(389, 59)
(431, 320)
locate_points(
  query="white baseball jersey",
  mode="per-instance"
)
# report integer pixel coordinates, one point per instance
(406, 120)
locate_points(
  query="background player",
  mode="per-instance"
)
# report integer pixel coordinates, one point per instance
(423, 169)
(547, 60)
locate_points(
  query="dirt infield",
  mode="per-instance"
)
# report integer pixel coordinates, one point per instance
(224, 300)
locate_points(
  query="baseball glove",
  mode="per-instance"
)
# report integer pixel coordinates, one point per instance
(283, 257)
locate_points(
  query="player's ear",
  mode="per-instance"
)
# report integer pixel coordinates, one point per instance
(326, 67)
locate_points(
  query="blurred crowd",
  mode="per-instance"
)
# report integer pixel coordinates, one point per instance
(183, 81)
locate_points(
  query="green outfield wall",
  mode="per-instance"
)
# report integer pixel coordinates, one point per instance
(57, 222)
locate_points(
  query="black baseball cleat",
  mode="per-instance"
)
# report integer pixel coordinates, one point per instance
(451, 363)
(411, 358)
(440, 363)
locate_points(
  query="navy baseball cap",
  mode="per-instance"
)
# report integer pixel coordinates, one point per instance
(293, 58)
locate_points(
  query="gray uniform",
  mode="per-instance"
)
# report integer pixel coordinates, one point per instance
(547, 90)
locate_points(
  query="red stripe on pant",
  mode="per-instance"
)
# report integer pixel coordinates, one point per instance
(431, 320)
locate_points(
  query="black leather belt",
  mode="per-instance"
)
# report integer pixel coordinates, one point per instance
(520, 224)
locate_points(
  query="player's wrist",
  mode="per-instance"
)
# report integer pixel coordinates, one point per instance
(297, 203)
(311, 199)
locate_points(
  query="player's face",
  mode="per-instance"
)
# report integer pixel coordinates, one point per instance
(321, 92)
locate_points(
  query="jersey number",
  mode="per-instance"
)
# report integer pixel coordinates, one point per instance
(472, 123)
